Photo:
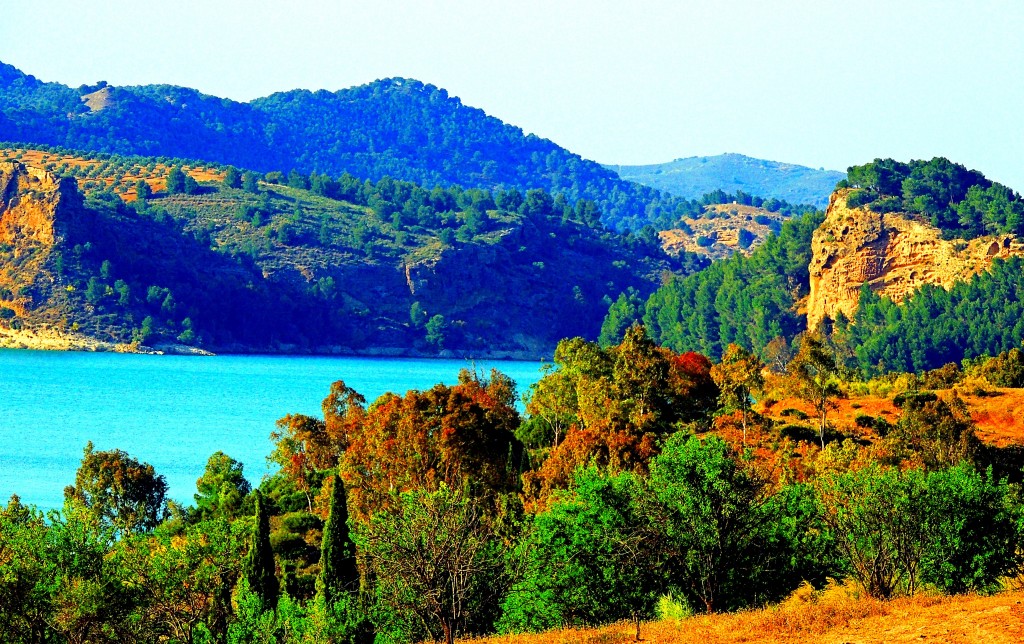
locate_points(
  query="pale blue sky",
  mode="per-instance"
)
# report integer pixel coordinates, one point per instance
(819, 83)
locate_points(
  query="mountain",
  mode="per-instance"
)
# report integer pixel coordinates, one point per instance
(213, 258)
(694, 176)
(395, 127)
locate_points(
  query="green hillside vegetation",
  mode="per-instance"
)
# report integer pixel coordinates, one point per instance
(309, 263)
(935, 327)
(753, 301)
(694, 176)
(749, 301)
(960, 202)
(396, 128)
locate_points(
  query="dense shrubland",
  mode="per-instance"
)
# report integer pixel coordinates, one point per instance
(626, 490)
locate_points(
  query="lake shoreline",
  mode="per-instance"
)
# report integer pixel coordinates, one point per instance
(52, 340)
(173, 412)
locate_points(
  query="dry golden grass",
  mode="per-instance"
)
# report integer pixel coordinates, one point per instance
(834, 616)
(997, 416)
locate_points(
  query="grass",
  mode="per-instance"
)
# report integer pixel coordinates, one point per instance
(836, 614)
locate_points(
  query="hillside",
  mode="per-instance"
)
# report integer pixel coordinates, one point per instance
(892, 253)
(917, 264)
(722, 230)
(299, 266)
(395, 127)
(695, 176)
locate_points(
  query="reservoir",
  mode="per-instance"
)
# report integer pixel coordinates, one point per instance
(175, 411)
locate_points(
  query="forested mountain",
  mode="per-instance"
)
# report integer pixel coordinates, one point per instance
(759, 301)
(304, 263)
(396, 127)
(694, 176)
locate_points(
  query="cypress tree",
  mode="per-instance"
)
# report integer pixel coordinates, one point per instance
(338, 572)
(258, 566)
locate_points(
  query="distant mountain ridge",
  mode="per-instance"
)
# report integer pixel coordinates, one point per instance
(695, 176)
(395, 127)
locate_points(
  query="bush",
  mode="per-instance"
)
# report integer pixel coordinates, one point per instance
(950, 528)
(914, 398)
(301, 522)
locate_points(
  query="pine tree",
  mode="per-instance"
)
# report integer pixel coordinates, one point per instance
(175, 181)
(338, 572)
(258, 567)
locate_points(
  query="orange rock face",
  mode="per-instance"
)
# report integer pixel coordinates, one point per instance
(31, 203)
(894, 254)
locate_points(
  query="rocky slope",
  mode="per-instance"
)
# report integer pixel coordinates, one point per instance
(34, 204)
(893, 253)
(38, 211)
(724, 229)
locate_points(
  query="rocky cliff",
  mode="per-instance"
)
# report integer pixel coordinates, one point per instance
(893, 253)
(35, 205)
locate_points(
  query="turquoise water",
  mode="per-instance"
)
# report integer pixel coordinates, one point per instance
(174, 411)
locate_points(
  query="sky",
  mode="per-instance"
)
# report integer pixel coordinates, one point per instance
(820, 83)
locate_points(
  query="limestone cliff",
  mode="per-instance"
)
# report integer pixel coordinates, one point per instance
(893, 253)
(35, 205)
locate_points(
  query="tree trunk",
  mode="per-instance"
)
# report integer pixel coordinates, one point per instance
(448, 635)
(636, 621)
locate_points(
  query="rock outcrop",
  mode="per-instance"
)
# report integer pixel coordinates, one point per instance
(35, 205)
(893, 253)
(724, 229)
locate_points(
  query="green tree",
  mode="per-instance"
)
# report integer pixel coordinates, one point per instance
(972, 538)
(175, 181)
(623, 313)
(417, 316)
(25, 574)
(119, 491)
(142, 190)
(592, 558)
(187, 577)
(738, 377)
(250, 182)
(436, 328)
(232, 177)
(817, 371)
(338, 572)
(435, 556)
(222, 488)
(258, 568)
(878, 516)
(710, 509)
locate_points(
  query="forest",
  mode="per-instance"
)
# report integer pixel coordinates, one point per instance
(639, 482)
(960, 202)
(397, 128)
